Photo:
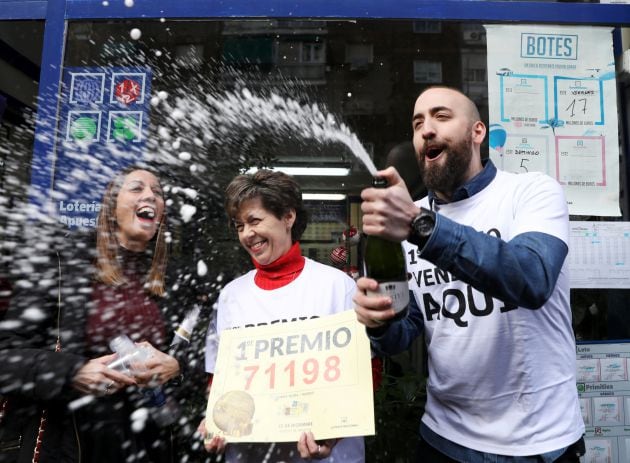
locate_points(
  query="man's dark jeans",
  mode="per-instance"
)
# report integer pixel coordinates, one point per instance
(427, 454)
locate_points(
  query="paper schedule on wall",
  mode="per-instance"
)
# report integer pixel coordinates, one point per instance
(553, 109)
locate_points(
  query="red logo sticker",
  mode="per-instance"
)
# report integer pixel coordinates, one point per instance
(127, 91)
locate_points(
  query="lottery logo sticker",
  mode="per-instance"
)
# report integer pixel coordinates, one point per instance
(125, 126)
(128, 89)
(86, 87)
(83, 126)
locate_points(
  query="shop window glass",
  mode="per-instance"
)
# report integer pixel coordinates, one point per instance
(205, 100)
(355, 72)
(20, 59)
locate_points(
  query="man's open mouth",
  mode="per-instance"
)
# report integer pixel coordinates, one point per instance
(433, 152)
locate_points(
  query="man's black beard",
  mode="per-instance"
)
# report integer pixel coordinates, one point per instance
(448, 177)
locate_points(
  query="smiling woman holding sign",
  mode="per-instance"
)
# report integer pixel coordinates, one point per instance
(266, 210)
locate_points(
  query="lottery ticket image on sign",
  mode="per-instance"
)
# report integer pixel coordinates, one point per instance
(233, 413)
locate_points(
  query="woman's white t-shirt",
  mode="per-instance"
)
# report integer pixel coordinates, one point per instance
(318, 290)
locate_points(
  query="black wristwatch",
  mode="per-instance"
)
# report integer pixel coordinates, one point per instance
(421, 227)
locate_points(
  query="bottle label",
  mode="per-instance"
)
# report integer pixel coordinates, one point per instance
(184, 331)
(397, 290)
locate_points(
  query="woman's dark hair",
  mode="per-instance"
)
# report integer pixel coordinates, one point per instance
(278, 192)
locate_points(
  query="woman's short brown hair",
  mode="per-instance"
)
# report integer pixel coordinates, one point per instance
(278, 192)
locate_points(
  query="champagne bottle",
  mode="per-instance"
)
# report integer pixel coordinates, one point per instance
(170, 411)
(183, 333)
(184, 330)
(384, 261)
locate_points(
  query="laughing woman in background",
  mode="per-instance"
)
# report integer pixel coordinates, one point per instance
(61, 401)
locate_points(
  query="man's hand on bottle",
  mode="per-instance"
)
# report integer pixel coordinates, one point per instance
(372, 311)
(388, 212)
(160, 368)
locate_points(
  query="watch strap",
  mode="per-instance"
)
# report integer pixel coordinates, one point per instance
(422, 227)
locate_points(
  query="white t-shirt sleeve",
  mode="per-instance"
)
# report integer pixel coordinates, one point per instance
(212, 344)
(214, 330)
(540, 206)
(351, 288)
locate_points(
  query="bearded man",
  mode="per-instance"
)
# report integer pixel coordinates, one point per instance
(490, 291)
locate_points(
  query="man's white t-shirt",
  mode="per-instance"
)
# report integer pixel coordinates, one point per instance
(317, 291)
(501, 378)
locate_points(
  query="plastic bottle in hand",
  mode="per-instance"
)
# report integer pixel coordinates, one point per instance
(171, 412)
(131, 360)
(384, 261)
(131, 357)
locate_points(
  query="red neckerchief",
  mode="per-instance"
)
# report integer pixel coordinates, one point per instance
(282, 271)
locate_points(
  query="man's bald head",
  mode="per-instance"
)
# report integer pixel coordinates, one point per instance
(467, 104)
